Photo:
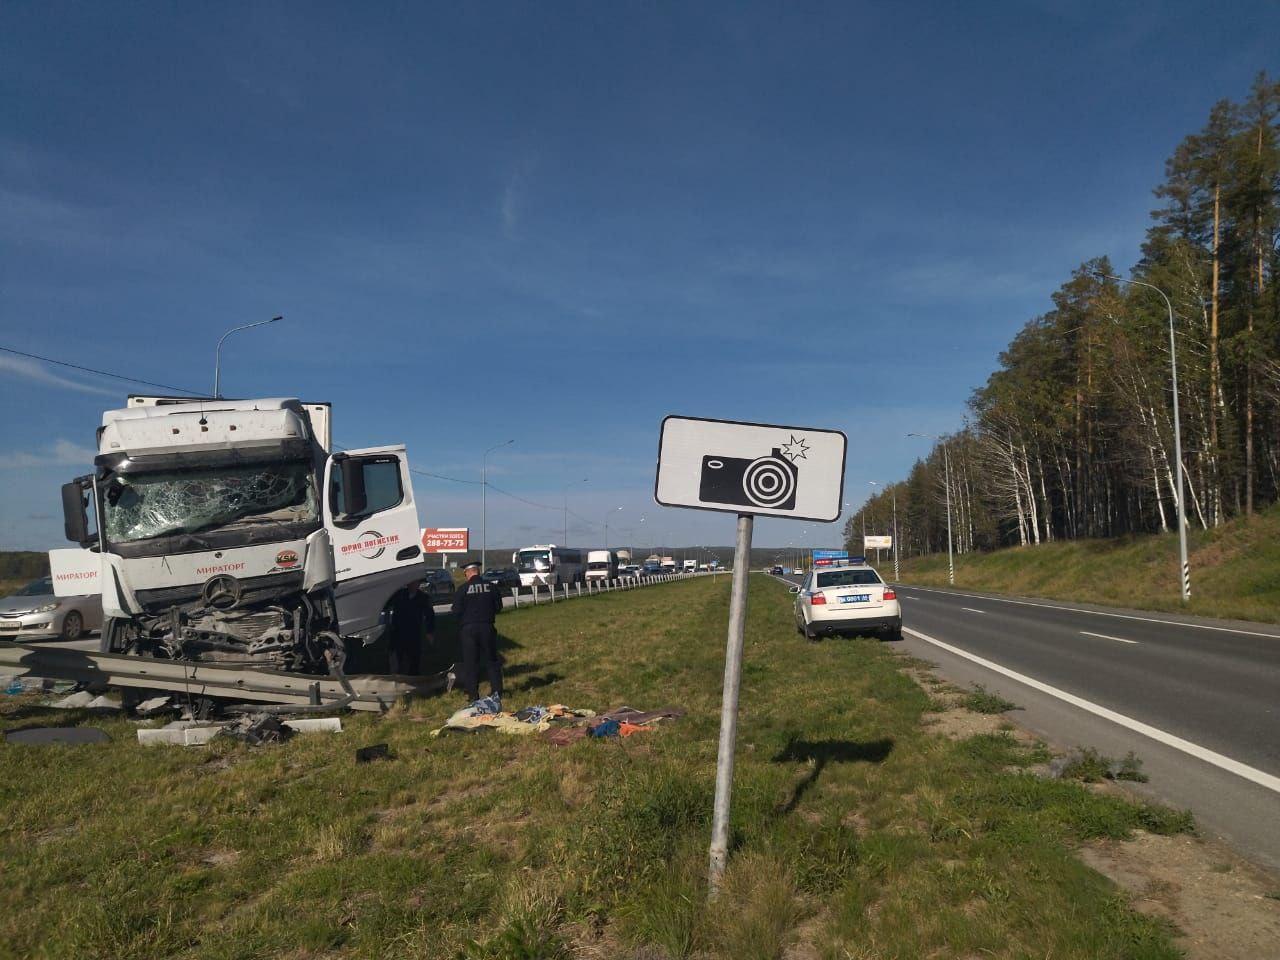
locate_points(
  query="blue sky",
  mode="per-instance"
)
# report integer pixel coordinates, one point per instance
(560, 222)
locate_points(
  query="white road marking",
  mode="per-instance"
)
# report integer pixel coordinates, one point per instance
(1103, 613)
(1103, 636)
(1252, 774)
(971, 610)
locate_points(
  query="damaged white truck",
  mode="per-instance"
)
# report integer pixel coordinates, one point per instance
(235, 545)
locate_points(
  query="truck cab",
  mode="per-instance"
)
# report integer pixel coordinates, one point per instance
(227, 530)
(601, 565)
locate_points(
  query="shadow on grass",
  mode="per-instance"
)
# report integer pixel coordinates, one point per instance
(446, 649)
(520, 669)
(819, 753)
(536, 681)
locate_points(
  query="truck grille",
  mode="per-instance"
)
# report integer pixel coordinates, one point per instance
(254, 590)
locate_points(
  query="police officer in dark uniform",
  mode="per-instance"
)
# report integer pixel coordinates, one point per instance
(412, 618)
(475, 606)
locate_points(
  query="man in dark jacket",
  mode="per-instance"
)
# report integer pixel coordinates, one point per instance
(475, 607)
(412, 618)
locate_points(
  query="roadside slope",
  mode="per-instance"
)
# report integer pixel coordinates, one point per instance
(1235, 571)
(856, 830)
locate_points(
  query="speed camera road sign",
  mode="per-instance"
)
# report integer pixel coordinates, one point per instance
(751, 468)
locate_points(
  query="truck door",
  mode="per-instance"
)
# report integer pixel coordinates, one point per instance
(370, 512)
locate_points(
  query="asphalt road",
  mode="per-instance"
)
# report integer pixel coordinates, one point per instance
(1197, 700)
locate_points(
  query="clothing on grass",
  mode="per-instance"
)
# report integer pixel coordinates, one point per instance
(605, 728)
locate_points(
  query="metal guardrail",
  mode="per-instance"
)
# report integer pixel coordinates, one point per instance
(590, 588)
(245, 684)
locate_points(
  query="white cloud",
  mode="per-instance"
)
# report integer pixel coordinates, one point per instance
(33, 370)
(62, 453)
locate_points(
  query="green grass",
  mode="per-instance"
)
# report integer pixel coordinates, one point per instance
(854, 829)
(982, 700)
(1235, 570)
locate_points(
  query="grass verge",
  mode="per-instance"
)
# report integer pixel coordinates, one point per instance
(856, 833)
(1235, 570)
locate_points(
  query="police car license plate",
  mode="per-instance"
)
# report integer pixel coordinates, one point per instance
(855, 598)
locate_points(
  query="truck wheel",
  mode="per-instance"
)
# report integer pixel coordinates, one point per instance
(72, 626)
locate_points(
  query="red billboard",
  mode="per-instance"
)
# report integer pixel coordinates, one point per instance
(444, 540)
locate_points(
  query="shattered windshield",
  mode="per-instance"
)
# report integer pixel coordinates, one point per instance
(140, 506)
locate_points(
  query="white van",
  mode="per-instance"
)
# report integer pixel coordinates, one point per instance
(691, 566)
(601, 565)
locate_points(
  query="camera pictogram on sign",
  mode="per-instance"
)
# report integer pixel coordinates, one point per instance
(768, 481)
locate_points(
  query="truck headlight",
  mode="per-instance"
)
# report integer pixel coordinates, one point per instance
(47, 607)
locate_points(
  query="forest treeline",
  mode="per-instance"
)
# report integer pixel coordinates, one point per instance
(1072, 436)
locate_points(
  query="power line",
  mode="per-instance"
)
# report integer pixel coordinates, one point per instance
(102, 373)
(541, 506)
(440, 476)
(198, 393)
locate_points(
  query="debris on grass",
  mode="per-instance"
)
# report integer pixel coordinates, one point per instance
(377, 751)
(76, 701)
(252, 730)
(154, 706)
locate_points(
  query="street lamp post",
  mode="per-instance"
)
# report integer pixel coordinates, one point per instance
(606, 526)
(893, 495)
(1177, 434)
(565, 542)
(217, 363)
(484, 502)
(946, 460)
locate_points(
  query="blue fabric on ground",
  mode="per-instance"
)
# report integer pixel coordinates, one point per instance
(608, 728)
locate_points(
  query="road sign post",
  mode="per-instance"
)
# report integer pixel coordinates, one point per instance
(748, 469)
(729, 702)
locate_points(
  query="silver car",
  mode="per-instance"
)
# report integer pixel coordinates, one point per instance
(35, 613)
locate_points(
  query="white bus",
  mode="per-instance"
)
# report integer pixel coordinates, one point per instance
(546, 565)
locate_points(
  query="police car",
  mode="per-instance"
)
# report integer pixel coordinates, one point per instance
(846, 596)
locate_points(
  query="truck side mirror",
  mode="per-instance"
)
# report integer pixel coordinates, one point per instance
(75, 519)
(354, 498)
